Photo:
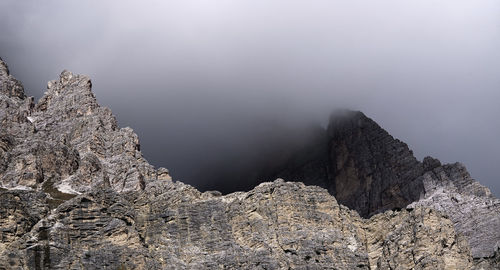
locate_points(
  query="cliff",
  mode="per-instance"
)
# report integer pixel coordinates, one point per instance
(368, 170)
(78, 194)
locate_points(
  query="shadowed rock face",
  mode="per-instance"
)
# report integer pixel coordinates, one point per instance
(20, 211)
(359, 163)
(91, 201)
(372, 171)
(368, 170)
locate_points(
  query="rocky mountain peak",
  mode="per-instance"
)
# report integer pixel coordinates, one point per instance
(76, 193)
(4, 69)
(430, 163)
(370, 170)
(347, 119)
(9, 85)
(359, 163)
(66, 76)
(72, 93)
(69, 143)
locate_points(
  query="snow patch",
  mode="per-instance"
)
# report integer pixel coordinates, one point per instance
(18, 187)
(65, 187)
(31, 119)
(353, 244)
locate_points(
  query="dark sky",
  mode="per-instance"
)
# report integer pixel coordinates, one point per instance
(205, 83)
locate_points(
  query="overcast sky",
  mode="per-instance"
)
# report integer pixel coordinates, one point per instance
(202, 82)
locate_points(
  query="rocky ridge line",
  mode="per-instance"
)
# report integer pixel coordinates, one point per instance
(278, 225)
(67, 142)
(368, 170)
(127, 209)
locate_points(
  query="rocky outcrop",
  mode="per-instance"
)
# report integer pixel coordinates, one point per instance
(278, 225)
(66, 142)
(474, 211)
(490, 263)
(20, 210)
(359, 163)
(77, 194)
(15, 107)
(10, 87)
(372, 171)
(368, 170)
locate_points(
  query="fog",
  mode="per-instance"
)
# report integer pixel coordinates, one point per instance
(208, 85)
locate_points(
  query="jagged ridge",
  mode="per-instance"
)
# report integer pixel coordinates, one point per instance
(368, 170)
(130, 215)
(67, 141)
(275, 226)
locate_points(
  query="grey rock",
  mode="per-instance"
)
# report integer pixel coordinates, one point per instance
(10, 86)
(66, 142)
(359, 163)
(15, 108)
(278, 225)
(91, 201)
(368, 170)
(20, 210)
(489, 263)
(472, 208)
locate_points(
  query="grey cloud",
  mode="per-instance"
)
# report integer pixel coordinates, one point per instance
(204, 83)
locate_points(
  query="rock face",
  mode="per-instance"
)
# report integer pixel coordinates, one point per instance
(363, 166)
(76, 193)
(472, 208)
(15, 107)
(66, 142)
(368, 170)
(10, 87)
(20, 211)
(275, 226)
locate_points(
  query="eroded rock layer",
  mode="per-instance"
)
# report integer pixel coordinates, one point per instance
(277, 225)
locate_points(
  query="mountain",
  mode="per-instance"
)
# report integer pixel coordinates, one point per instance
(66, 141)
(76, 193)
(367, 170)
(359, 163)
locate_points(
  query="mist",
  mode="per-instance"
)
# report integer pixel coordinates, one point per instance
(213, 85)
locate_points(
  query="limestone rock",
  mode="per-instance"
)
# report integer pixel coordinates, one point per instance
(472, 208)
(15, 109)
(83, 197)
(370, 171)
(163, 174)
(66, 142)
(278, 225)
(20, 210)
(10, 86)
(489, 263)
